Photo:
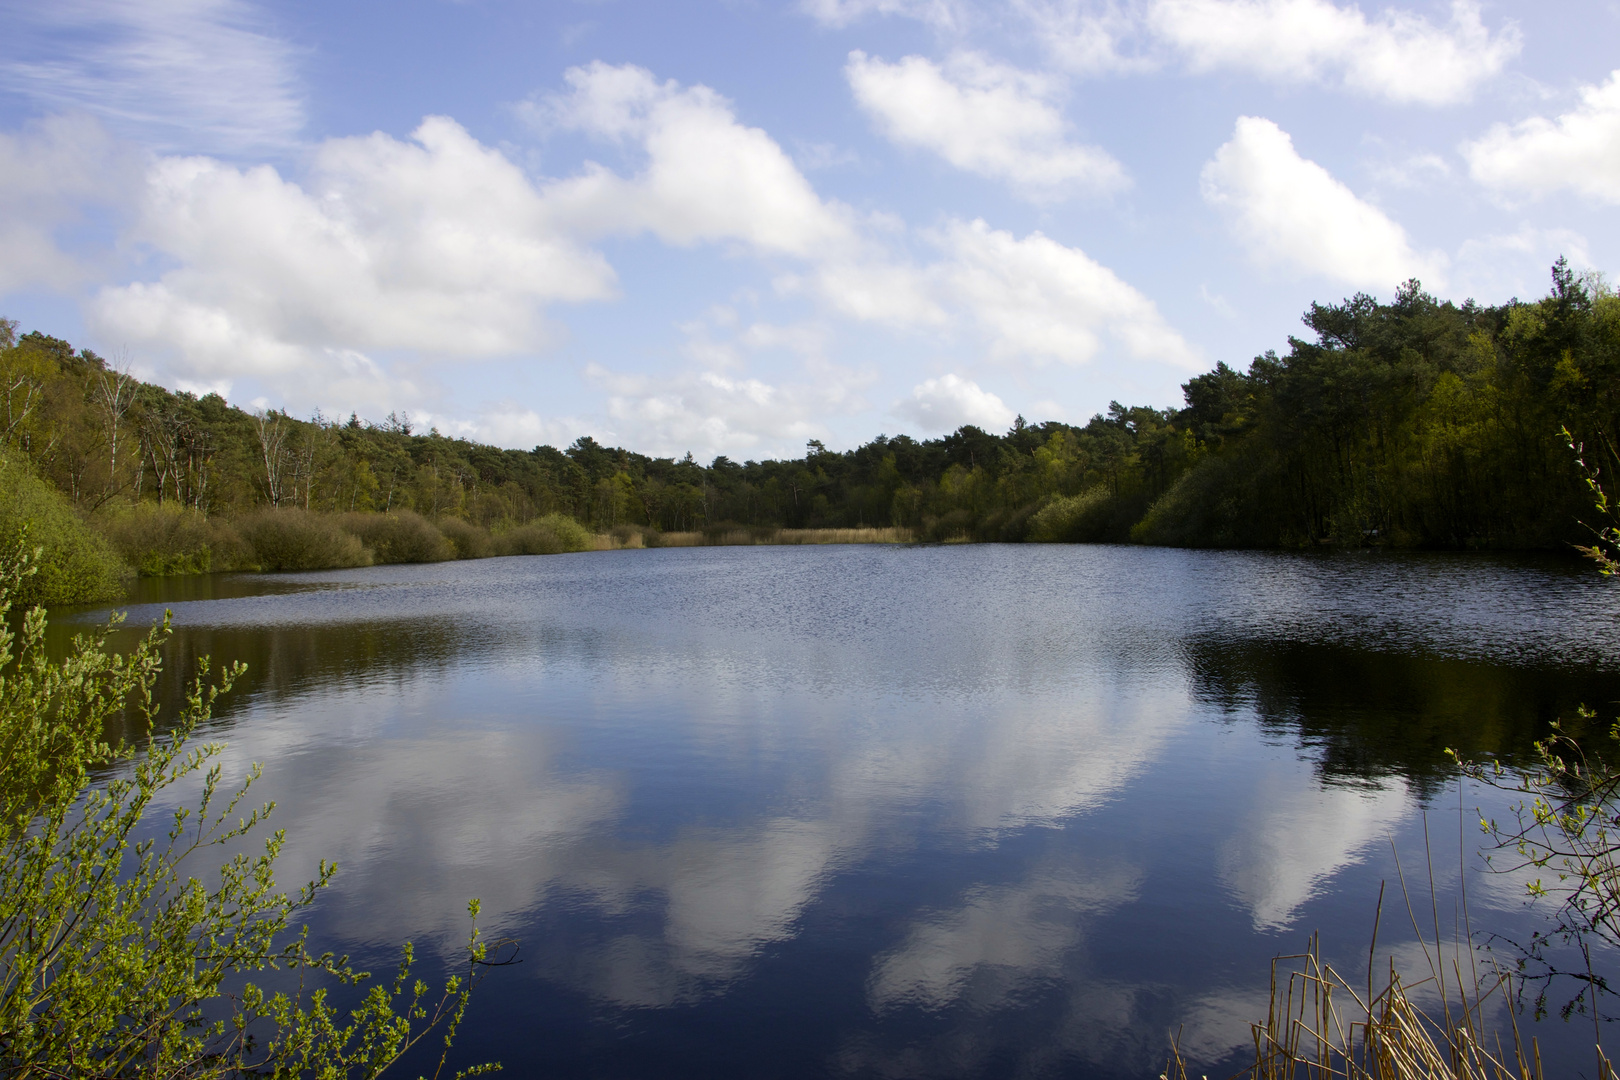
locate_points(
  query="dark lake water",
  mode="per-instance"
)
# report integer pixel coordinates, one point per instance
(888, 811)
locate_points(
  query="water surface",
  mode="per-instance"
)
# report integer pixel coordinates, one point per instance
(883, 811)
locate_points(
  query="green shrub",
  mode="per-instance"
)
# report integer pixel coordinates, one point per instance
(1072, 519)
(550, 535)
(1007, 526)
(162, 540)
(1216, 503)
(398, 537)
(76, 565)
(292, 539)
(230, 550)
(469, 541)
(953, 525)
(574, 536)
(114, 959)
(530, 539)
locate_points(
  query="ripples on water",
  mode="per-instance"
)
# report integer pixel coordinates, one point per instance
(883, 811)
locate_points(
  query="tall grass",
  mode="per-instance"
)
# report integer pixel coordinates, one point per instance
(1322, 1024)
(739, 537)
(842, 536)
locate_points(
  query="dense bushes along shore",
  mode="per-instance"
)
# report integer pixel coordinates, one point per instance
(89, 561)
(83, 562)
(1417, 422)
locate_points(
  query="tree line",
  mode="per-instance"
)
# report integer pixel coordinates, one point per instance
(1417, 422)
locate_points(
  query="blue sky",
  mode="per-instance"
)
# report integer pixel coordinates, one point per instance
(732, 227)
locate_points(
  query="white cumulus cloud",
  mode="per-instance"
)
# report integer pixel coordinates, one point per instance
(1577, 151)
(1028, 301)
(1092, 37)
(1039, 300)
(438, 245)
(359, 282)
(948, 402)
(707, 177)
(1289, 211)
(515, 425)
(984, 118)
(713, 412)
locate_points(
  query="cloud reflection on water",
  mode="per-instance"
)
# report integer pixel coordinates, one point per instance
(421, 821)
(1296, 835)
(661, 780)
(1000, 938)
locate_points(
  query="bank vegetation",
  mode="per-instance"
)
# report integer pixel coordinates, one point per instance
(1415, 423)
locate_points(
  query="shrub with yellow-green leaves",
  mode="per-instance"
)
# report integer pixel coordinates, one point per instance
(120, 955)
(74, 564)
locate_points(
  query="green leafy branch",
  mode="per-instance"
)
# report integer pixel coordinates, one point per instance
(115, 959)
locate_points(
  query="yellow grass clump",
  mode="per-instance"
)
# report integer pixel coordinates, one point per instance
(1320, 1026)
(633, 538)
(843, 536)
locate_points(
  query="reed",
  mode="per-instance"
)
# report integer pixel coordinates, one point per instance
(680, 539)
(1320, 1024)
(844, 536)
(739, 537)
(1310, 1034)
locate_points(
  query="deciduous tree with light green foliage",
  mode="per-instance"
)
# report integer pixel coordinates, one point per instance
(128, 949)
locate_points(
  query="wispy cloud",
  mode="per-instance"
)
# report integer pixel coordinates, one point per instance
(1399, 55)
(179, 76)
(55, 175)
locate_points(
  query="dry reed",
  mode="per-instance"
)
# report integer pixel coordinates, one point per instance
(1307, 1035)
(750, 538)
(843, 536)
(1310, 1034)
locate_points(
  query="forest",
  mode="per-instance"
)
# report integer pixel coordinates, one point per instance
(1414, 423)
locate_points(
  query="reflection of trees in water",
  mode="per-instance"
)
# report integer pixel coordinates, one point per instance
(283, 660)
(1366, 715)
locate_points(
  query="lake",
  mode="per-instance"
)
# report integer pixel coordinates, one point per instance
(964, 811)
